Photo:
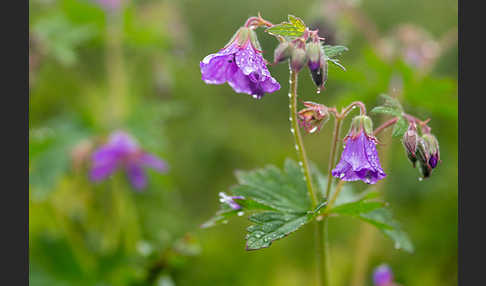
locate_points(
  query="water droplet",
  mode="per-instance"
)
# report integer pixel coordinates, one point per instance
(292, 130)
(420, 179)
(240, 213)
(318, 90)
(296, 147)
(301, 164)
(341, 176)
(290, 95)
(313, 129)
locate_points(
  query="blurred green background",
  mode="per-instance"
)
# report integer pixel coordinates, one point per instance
(94, 70)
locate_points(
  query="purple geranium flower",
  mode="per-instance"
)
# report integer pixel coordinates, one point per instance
(240, 64)
(123, 151)
(229, 200)
(359, 160)
(383, 276)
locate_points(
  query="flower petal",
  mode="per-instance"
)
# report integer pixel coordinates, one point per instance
(250, 61)
(153, 162)
(104, 163)
(137, 176)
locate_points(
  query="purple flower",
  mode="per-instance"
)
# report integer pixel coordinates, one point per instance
(110, 5)
(122, 151)
(359, 160)
(229, 200)
(240, 64)
(383, 276)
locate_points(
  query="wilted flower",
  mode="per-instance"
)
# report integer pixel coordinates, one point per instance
(359, 159)
(313, 117)
(229, 200)
(122, 151)
(383, 276)
(241, 64)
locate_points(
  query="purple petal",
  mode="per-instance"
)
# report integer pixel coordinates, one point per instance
(382, 276)
(240, 82)
(251, 62)
(137, 176)
(104, 162)
(359, 161)
(217, 67)
(122, 142)
(153, 162)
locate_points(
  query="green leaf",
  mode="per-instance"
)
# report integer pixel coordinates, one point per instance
(295, 27)
(270, 226)
(356, 208)
(383, 220)
(334, 51)
(390, 106)
(400, 127)
(284, 191)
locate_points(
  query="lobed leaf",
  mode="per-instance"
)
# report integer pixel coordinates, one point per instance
(270, 226)
(295, 27)
(400, 127)
(334, 51)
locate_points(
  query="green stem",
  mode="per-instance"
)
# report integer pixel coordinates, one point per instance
(322, 273)
(332, 155)
(299, 144)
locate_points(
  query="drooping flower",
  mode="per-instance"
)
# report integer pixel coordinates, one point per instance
(229, 200)
(359, 159)
(122, 151)
(241, 65)
(313, 117)
(383, 276)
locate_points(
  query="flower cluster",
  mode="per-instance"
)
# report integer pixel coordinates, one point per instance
(122, 151)
(241, 65)
(424, 149)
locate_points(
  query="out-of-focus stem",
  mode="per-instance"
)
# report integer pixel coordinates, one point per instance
(385, 125)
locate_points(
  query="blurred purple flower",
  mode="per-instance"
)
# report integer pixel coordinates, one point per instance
(110, 5)
(240, 64)
(123, 151)
(383, 276)
(359, 160)
(229, 200)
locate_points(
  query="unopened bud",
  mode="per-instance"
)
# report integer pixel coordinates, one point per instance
(282, 52)
(410, 142)
(298, 58)
(317, 63)
(313, 117)
(433, 149)
(423, 158)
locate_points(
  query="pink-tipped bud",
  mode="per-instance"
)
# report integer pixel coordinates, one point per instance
(282, 52)
(298, 58)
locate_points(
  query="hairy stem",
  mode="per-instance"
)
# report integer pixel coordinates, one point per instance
(299, 144)
(322, 274)
(332, 155)
(385, 125)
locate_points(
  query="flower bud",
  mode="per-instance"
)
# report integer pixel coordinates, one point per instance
(313, 117)
(423, 158)
(317, 63)
(433, 149)
(410, 142)
(298, 58)
(282, 52)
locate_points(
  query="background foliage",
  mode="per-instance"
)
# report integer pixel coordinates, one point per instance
(92, 72)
